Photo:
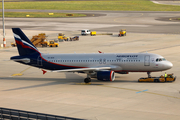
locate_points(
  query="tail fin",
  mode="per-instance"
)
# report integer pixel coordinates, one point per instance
(24, 45)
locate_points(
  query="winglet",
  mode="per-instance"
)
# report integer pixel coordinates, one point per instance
(44, 71)
(100, 52)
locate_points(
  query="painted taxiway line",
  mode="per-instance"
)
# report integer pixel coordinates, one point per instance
(21, 73)
(143, 91)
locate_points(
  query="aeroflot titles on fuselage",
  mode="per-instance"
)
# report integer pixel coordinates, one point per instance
(127, 56)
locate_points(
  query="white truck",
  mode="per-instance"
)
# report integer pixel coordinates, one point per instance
(85, 32)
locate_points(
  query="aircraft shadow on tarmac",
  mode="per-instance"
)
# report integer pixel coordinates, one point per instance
(55, 81)
(70, 78)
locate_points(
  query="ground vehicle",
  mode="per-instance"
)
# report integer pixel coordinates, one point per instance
(93, 33)
(40, 40)
(13, 44)
(85, 32)
(122, 32)
(75, 38)
(170, 78)
(61, 36)
(52, 43)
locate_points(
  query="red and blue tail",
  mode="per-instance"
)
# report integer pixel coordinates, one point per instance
(24, 45)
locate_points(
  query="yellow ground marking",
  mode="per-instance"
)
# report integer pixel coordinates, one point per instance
(83, 83)
(21, 73)
(142, 92)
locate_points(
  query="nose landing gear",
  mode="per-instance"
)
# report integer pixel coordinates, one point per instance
(149, 74)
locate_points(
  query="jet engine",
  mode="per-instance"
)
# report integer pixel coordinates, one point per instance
(105, 75)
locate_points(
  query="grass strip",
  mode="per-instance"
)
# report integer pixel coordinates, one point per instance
(39, 15)
(115, 5)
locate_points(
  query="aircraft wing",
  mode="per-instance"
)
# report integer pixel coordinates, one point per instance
(80, 69)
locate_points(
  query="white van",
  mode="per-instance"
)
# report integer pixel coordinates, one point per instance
(85, 32)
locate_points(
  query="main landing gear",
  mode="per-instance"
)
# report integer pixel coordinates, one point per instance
(87, 80)
(149, 74)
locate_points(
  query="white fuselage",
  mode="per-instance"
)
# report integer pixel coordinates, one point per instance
(130, 62)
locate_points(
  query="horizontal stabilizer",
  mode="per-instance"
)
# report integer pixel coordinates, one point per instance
(25, 60)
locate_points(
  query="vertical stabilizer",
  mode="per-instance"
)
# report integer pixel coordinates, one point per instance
(24, 45)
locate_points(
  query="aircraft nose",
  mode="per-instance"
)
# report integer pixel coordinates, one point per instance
(169, 65)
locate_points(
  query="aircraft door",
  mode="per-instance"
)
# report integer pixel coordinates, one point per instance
(100, 61)
(146, 60)
(39, 61)
(104, 61)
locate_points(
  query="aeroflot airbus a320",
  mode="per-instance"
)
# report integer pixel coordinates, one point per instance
(100, 65)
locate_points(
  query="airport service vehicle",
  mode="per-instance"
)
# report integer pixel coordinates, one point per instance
(52, 43)
(61, 36)
(102, 66)
(170, 78)
(85, 32)
(93, 33)
(122, 32)
(40, 40)
(75, 38)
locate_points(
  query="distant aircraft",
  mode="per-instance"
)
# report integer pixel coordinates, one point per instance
(100, 65)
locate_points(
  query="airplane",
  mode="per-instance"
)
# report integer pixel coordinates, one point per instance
(102, 66)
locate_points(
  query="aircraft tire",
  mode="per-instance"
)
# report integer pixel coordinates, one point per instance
(156, 80)
(87, 80)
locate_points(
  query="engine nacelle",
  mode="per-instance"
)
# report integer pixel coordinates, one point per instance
(105, 75)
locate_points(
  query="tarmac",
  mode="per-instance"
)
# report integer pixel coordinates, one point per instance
(65, 94)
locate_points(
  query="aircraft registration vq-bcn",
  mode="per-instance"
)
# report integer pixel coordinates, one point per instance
(100, 65)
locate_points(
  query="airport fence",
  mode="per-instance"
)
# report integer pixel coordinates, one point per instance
(12, 114)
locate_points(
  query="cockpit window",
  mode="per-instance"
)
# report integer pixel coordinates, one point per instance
(160, 59)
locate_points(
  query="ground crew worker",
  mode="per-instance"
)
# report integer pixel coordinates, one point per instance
(165, 76)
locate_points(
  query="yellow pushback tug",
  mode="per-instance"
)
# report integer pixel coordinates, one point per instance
(169, 78)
